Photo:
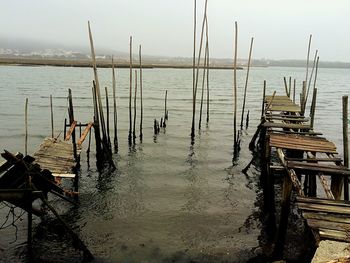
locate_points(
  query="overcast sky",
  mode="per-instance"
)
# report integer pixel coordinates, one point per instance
(165, 27)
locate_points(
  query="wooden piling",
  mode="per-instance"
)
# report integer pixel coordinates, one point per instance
(294, 86)
(134, 127)
(203, 83)
(307, 60)
(97, 89)
(263, 101)
(65, 128)
(247, 120)
(26, 127)
(194, 69)
(96, 126)
(141, 101)
(313, 108)
(130, 92)
(115, 115)
(290, 87)
(346, 144)
(208, 66)
(165, 109)
(246, 80)
(285, 86)
(71, 120)
(235, 146)
(52, 126)
(310, 79)
(107, 119)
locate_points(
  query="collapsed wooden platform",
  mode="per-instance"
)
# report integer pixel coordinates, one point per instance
(305, 156)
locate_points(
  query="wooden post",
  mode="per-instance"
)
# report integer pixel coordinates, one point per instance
(285, 86)
(26, 127)
(194, 70)
(235, 146)
(307, 60)
(203, 83)
(346, 145)
(30, 216)
(130, 92)
(71, 120)
(282, 229)
(197, 71)
(246, 80)
(97, 128)
(290, 87)
(294, 85)
(165, 108)
(107, 112)
(247, 120)
(302, 98)
(52, 128)
(65, 128)
(208, 66)
(134, 129)
(97, 89)
(310, 79)
(115, 108)
(263, 101)
(313, 108)
(141, 101)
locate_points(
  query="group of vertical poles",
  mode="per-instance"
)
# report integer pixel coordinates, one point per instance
(132, 124)
(196, 64)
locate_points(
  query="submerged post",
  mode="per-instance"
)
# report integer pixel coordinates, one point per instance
(51, 108)
(346, 145)
(26, 127)
(208, 67)
(107, 112)
(313, 108)
(194, 68)
(165, 108)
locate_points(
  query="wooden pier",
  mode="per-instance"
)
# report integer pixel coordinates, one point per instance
(308, 161)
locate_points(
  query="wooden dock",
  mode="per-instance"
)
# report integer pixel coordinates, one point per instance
(309, 161)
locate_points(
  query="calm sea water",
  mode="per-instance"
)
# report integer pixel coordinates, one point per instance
(168, 201)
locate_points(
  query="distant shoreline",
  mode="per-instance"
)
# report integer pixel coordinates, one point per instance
(84, 63)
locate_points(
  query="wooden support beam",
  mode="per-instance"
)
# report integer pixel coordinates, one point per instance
(70, 131)
(85, 133)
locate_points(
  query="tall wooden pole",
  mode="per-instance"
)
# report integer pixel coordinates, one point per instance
(107, 112)
(165, 108)
(203, 83)
(130, 92)
(141, 102)
(51, 110)
(208, 66)
(115, 108)
(346, 144)
(307, 60)
(134, 129)
(26, 127)
(97, 88)
(294, 86)
(235, 94)
(263, 101)
(310, 79)
(194, 68)
(246, 80)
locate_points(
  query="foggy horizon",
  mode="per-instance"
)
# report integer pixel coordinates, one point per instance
(164, 28)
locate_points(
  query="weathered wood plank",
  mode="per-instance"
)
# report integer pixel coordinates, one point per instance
(324, 201)
(70, 131)
(334, 235)
(85, 133)
(327, 170)
(324, 208)
(286, 125)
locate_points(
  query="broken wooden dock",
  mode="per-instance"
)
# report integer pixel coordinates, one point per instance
(305, 156)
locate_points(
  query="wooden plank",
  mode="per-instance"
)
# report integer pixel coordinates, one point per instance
(324, 201)
(334, 235)
(61, 175)
(314, 159)
(327, 217)
(70, 131)
(295, 109)
(311, 133)
(327, 170)
(85, 133)
(321, 224)
(324, 208)
(287, 118)
(286, 125)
